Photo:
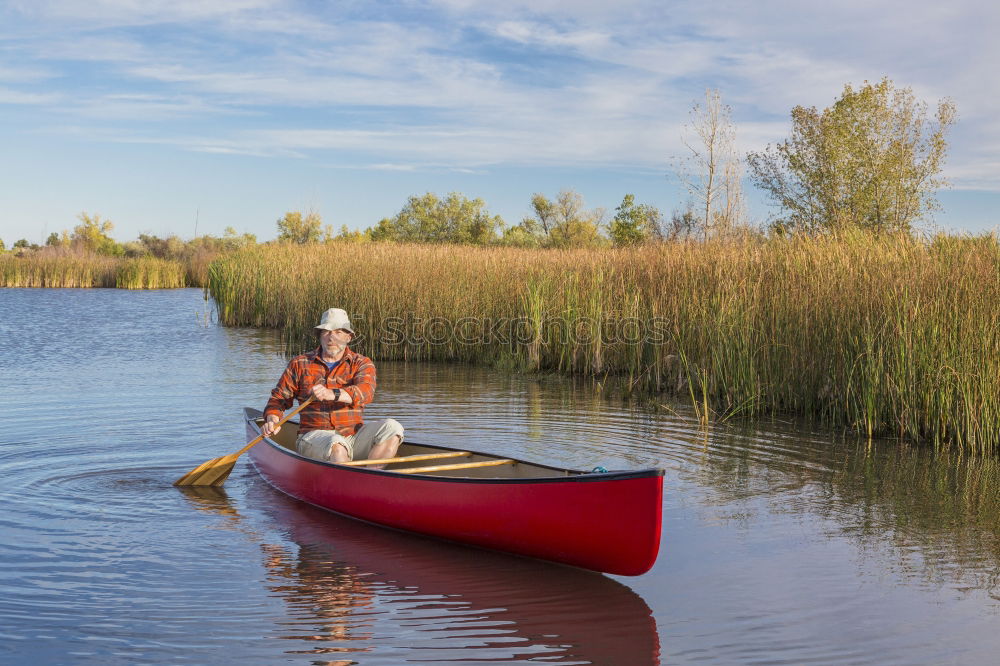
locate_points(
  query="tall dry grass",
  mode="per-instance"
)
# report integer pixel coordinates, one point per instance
(889, 335)
(58, 270)
(74, 269)
(151, 273)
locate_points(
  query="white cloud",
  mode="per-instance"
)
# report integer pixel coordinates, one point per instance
(148, 108)
(25, 74)
(587, 82)
(116, 13)
(535, 33)
(8, 96)
(390, 167)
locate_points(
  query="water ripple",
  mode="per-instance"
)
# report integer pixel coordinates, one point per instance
(779, 540)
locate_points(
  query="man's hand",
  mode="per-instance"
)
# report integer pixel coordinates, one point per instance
(321, 392)
(271, 426)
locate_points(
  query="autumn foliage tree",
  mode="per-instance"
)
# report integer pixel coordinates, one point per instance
(294, 228)
(562, 222)
(92, 235)
(634, 223)
(430, 219)
(871, 160)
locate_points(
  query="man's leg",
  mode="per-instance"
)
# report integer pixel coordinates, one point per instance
(374, 442)
(339, 453)
(324, 445)
(386, 448)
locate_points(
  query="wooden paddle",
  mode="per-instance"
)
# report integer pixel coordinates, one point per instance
(214, 472)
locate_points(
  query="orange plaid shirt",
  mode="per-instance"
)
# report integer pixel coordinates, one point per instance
(355, 375)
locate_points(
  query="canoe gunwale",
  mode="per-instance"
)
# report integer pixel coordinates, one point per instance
(576, 476)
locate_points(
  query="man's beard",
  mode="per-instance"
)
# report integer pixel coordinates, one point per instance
(333, 349)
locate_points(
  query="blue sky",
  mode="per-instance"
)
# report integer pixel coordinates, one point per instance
(167, 116)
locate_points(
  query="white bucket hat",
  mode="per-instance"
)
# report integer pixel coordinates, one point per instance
(334, 319)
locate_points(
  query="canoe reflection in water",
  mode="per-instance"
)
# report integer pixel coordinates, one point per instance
(346, 583)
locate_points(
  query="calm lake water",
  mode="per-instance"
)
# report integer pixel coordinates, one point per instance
(781, 545)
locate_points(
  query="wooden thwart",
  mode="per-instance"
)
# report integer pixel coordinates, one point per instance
(443, 468)
(419, 456)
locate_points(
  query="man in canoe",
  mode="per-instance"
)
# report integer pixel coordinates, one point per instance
(342, 382)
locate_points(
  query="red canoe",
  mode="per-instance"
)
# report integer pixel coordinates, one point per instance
(605, 521)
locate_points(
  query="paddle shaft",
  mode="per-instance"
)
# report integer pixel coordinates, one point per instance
(278, 424)
(215, 471)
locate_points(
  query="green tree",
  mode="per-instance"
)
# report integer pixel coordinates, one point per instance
(231, 240)
(21, 244)
(92, 235)
(562, 222)
(532, 231)
(574, 225)
(545, 214)
(871, 160)
(428, 219)
(521, 235)
(134, 248)
(353, 236)
(634, 224)
(294, 228)
(171, 247)
(3, 248)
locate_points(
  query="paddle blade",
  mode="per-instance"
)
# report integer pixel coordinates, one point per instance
(193, 474)
(211, 473)
(214, 472)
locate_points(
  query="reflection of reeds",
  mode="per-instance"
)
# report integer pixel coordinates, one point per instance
(947, 501)
(940, 510)
(889, 335)
(55, 269)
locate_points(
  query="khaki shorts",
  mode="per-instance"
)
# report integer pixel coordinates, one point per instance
(318, 444)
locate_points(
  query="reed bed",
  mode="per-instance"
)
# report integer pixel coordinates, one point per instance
(151, 273)
(888, 335)
(58, 270)
(93, 270)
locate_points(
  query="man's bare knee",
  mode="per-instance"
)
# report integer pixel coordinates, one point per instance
(339, 453)
(385, 449)
(392, 443)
